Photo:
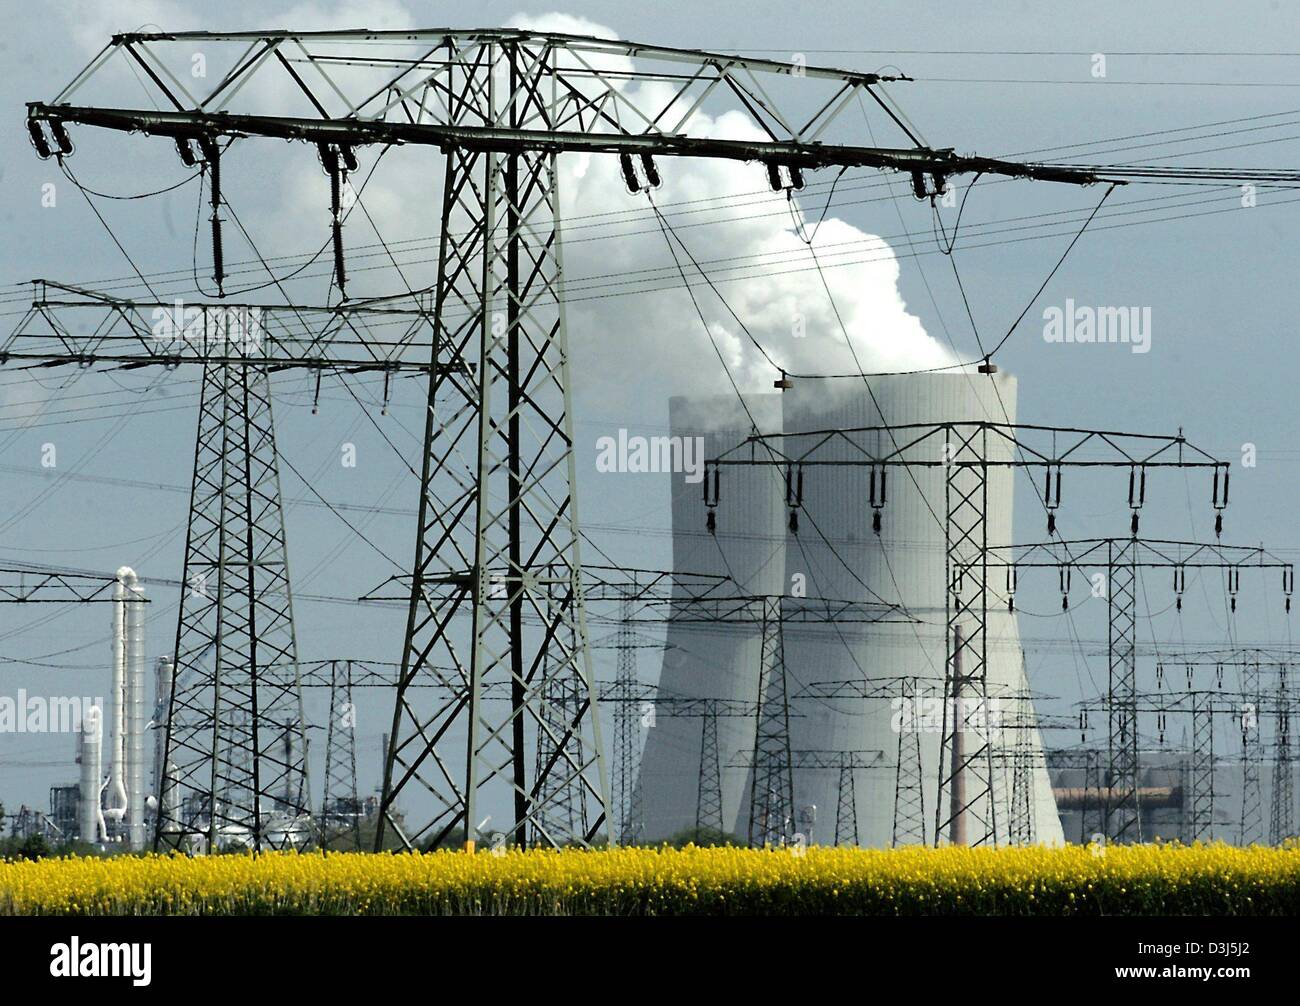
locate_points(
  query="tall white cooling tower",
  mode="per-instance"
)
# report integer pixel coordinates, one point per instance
(714, 660)
(905, 563)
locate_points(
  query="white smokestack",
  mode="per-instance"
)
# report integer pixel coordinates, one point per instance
(136, 720)
(125, 800)
(91, 759)
(162, 694)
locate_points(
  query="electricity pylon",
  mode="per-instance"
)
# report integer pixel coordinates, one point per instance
(235, 688)
(627, 736)
(340, 816)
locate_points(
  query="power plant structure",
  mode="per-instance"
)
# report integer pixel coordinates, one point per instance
(113, 806)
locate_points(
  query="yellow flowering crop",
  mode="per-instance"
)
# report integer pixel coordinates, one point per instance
(1144, 879)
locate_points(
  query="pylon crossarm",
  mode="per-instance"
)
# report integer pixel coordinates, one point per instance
(74, 325)
(427, 87)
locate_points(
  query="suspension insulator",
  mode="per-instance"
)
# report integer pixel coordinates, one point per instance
(1218, 525)
(212, 155)
(38, 139)
(185, 151)
(796, 177)
(61, 137)
(1051, 522)
(629, 173)
(794, 521)
(651, 171)
(875, 521)
(774, 176)
(349, 157)
(1133, 524)
(918, 185)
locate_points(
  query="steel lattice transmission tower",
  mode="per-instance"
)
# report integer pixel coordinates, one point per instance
(771, 795)
(627, 736)
(340, 816)
(708, 795)
(1200, 817)
(846, 807)
(236, 688)
(1022, 768)
(909, 792)
(496, 501)
(1281, 821)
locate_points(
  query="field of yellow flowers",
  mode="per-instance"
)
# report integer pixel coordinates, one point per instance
(1131, 880)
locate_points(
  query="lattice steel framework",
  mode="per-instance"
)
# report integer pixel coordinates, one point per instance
(341, 811)
(846, 807)
(1281, 818)
(498, 439)
(1022, 829)
(909, 791)
(708, 795)
(845, 763)
(1251, 826)
(236, 740)
(966, 451)
(627, 735)
(771, 794)
(1255, 702)
(1123, 815)
(1122, 558)
(1200, 816)
(563, 800)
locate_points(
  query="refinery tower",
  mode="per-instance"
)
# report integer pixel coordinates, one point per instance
(836, 554)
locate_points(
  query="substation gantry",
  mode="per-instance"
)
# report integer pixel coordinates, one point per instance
(1251, 662)
(846, 763)
(966, 451)
(1121, 559)
(497, 469)
(1250, 705)
(908, 694)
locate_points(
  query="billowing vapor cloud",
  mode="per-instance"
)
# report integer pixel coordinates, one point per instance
(753, 250)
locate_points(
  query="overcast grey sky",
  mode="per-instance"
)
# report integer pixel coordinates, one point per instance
(998, 78)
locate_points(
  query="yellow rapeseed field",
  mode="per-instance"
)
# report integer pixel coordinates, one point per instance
(1147, 879)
